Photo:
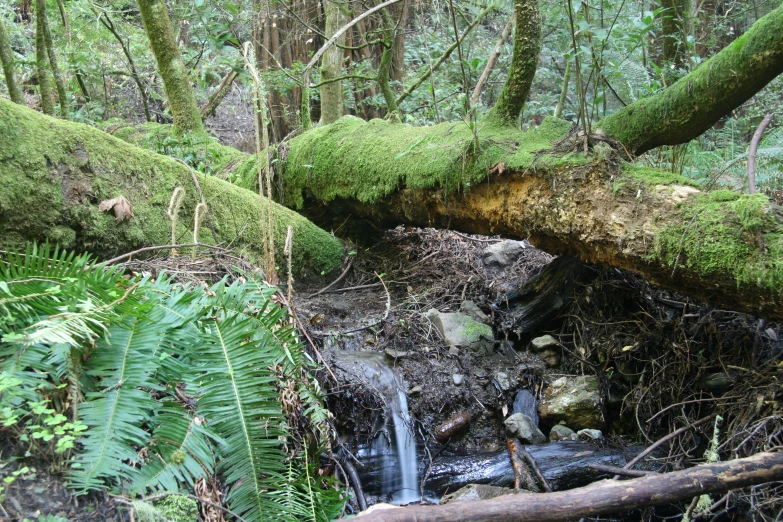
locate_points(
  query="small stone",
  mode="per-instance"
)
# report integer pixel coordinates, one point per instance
(589, 434)
(576, 400)
(503, 381)
(523, 428)
(416, 390)
(470, 308)
(542, 343)
(457, 378)
(395, 354)
(551, 358)
(561, 432)
(453, 350)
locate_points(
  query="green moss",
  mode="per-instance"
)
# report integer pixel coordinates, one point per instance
(475, 331)
(56, 172)
(366, 161)
(639, 176)
(177, 508)
(722, 195)
(719, 234)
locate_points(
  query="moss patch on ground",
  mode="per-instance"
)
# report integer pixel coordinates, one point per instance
(56, 172)
(367, 160)
(726, 233)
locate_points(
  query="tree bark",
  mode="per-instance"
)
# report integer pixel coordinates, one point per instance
(42, 60)
(331, 64)
(601, 498)
(220, 93)
(9, 66)
(673, 32)
(58, 79)
(491, 62)
(693, 104)
(179, 92)
(56, 172)
(527, 48)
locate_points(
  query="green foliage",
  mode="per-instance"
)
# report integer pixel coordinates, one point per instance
(228, 345)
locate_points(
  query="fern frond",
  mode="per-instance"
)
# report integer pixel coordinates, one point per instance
(239, 402)
(182, 452)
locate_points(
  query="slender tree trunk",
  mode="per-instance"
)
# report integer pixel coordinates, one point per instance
(693, 104)
(527, 48)
(220, 93)
(331, 64)
(402, 16)
(58, 79)
(9, 67)
(491, 62)
(182, 100)
(42, 59)
(563, 90)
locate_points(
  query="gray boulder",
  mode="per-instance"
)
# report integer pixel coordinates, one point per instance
(522, 427)
(473, 492)
(575, 400)
(472, 309)
(561, 432)
(461, 330)
(540, 344)
(499, 256)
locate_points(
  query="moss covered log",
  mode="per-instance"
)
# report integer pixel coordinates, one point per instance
(718, 247)
(54, 174)
(693, 104)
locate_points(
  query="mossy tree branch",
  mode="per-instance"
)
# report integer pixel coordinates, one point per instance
(42, 62)
(697, 101)
(179, 92)
(58, 78)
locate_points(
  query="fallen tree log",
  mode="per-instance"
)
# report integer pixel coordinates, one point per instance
(720, 247)
(600, 498)
(55, 173)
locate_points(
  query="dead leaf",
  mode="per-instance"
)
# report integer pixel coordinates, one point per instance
(498, 168)
(123, 210)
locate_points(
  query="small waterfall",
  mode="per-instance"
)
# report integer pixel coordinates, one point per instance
(395, 444)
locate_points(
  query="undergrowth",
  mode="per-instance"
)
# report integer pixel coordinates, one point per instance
(148, 385)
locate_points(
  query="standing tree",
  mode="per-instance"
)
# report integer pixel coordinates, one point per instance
(52, 57)
(9, 68)
(179, 92)
(331, 65)
(41, 61)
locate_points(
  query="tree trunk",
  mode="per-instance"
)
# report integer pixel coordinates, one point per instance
(527, 48)
(42, 61)
(491, 62)
(56, 172)
(693, 104)
(601, 498)
(9, 66)
(58, 79)
(220, 93)
(673, 32)
(331, 65)
(175, 77)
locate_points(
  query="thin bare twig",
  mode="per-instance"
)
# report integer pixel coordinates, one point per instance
(159, 247)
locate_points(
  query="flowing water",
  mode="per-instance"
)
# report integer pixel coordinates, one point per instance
(395, 444)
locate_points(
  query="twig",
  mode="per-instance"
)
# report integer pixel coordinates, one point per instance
(388, 298)
(691, 402)
(353, 476)
(531, 463)
(665, 439)
(159, 247)
(754, 145)
(336, 281)
(620, 471)
(122, 500)
(307, 336)
(489, 240)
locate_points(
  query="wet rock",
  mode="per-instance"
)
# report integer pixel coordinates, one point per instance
(470, 308)
(522, 427)
(473, 492)
(499, 256)
(575, 400)
(453, 426)
(503, 381)
(551, 358)
(542, 343)
(453, 350)
(588, 434)
(416, 390)
(561, 432)
(377, 507)
(525, 402)
(458, 378)
(458, 329)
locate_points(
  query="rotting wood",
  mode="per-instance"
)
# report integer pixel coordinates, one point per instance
(600, 498)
